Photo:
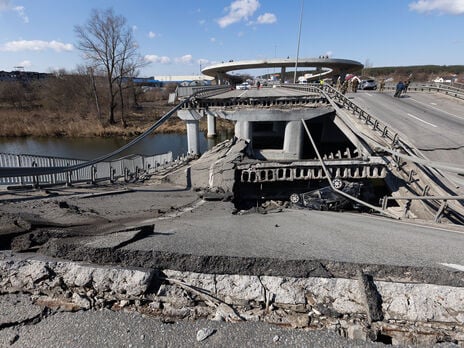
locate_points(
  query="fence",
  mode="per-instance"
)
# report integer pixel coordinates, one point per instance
(127, 167)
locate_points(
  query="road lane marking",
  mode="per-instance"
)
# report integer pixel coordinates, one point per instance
(419, 119)
(445, 112)
(453, 265)
(370, 95)
(429, 227)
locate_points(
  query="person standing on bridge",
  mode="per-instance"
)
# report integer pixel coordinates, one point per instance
(344, 87)
(382, 85)
(355, 84)
(399, 89)
(258, 85)
(406, 85)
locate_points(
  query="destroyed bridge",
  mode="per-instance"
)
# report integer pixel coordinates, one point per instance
(302, 139)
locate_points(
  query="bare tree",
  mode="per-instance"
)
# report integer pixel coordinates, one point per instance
(107, 43)
(127, 68)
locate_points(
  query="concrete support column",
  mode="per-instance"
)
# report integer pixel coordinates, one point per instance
(293, 140)
(243, 130)
(191, 118)
(220, 78)
(211, 126)
(282, 75)
(193, 138)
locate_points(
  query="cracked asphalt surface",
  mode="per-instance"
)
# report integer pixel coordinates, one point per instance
(96, 224)
(205, 236)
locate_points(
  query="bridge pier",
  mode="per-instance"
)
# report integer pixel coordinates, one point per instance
(191, 118)
(243, 130)
(211, 126)
(293, 140)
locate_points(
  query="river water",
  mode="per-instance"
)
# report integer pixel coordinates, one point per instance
(89, 148)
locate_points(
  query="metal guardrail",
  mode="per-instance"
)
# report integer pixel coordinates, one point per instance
(11, 169)
(383, 129)
(129, 167)
(395, 142)
(186, 91)
(451, 90)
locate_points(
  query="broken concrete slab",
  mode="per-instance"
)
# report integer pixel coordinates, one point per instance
(38, 274)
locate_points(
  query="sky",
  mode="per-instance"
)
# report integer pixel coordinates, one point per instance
(180, 37)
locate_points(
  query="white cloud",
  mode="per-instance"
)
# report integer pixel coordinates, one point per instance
(20, 11)
(25, 64)
(454, 7)
(213, 39)
(202, 22)
(152, 35)
(35, 45)
(267, 18)
(187, 59)
(237, 11)
(152, 58)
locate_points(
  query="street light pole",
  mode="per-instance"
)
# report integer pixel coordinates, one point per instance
(299, 37)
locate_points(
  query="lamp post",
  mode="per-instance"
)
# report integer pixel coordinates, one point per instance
(298, 47)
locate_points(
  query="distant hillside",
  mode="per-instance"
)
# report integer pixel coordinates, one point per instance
(418, 72)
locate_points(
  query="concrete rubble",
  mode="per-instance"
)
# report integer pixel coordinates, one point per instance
(422, 314)
(85, 251)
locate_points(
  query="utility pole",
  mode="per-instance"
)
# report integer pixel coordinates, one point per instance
(299, 37)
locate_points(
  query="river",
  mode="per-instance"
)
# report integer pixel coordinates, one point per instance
(89, 148)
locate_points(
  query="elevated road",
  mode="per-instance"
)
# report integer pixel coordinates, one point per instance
(434, 123)
(322, 66)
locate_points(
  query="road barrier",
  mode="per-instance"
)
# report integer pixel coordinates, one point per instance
(129, 168)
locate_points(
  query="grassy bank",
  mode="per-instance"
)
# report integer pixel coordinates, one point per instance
(22, 123)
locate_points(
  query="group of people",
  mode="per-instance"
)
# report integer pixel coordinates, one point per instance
(401, 88)
(353, 83)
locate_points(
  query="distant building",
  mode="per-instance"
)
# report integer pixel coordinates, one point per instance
(19, 75)
(446, 79)
(186, 80)
(183, 80)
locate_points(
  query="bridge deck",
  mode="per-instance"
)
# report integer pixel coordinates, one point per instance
(261, 97)
(263, 93)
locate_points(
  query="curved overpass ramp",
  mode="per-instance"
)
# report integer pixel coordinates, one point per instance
(328, 66)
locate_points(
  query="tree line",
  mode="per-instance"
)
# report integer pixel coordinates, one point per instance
(103, 84)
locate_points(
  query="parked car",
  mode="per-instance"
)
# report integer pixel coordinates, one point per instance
(368, 84)
(244, 85)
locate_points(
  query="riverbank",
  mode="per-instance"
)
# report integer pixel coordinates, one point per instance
(43, 123)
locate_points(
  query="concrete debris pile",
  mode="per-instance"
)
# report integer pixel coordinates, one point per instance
(394, 313)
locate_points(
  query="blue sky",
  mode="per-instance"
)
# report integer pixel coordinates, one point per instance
(180, 36)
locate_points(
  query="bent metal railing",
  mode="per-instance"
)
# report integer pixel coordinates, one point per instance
(401, 151)
(128, 167)
(15, 171)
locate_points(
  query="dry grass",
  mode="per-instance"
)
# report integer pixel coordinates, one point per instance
(15, 123)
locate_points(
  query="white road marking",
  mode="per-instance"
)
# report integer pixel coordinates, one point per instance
(240, 95)
(370, 95)
(419, 119)
(453, 265)
(445, 112)
(403, 222)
